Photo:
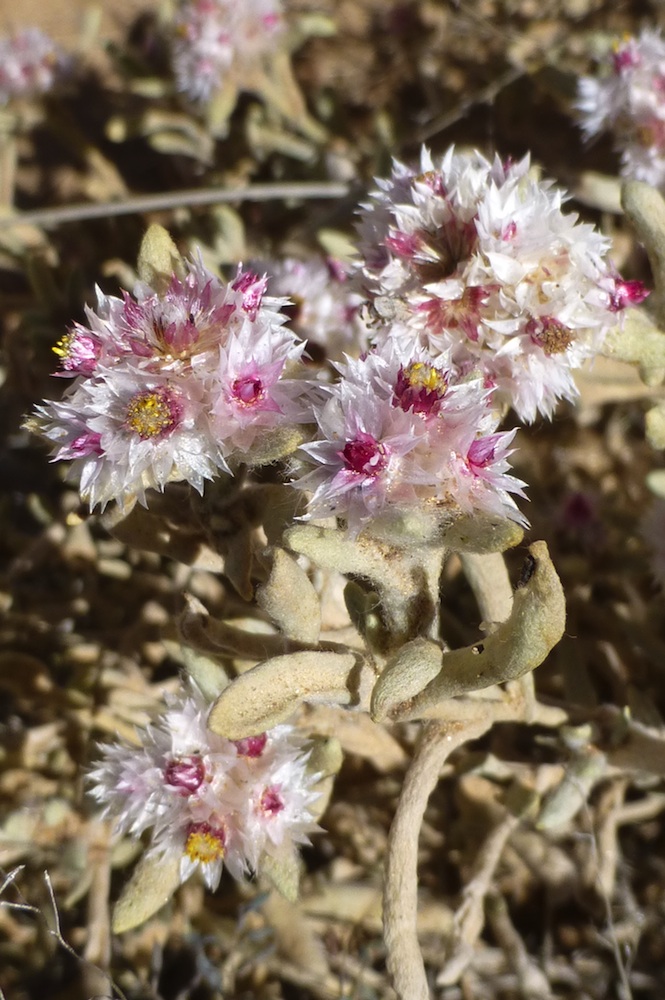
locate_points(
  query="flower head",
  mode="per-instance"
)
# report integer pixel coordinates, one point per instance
(397, 431)
(130, 431)
(169, 385)
(216, 39)
(205, 800)
(627, 99)
(30, 63)
(477, 261)
(323, 308)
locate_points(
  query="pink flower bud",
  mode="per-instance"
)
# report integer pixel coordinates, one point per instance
(251, 746)
(186, 774)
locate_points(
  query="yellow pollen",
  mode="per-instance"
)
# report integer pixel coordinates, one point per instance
(64, 345)
(204, 846)
(420, 375)
(149, 414)
(555, 338)
(645, 135)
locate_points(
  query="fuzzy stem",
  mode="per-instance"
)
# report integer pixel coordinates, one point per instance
(490, 583)
(645, 208)
(400, 901)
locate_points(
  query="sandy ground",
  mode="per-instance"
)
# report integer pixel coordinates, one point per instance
(64, 19)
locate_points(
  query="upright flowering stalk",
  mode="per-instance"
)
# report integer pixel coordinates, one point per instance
(216, 39)
(479, 263)
(208, 802)
(627, 99)
(170, 386)
(30, 63)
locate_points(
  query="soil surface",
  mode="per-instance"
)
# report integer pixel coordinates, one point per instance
(64, 19)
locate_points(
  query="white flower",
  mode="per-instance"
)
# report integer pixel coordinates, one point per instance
(400, 429)
(30, 63)
(359, 456)
(209, 802)
(478, 261)
(216, 38)
(323, 309)
(169, 385)
(130, 431)
(627, 99)
(249, 393)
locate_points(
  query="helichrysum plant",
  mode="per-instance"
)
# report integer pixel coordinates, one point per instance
(472, 292)
(627, 100)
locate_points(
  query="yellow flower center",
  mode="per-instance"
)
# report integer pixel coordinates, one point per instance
(151, 413)
(205, 844)
(421, 375)
(64, 346)
(555, 338)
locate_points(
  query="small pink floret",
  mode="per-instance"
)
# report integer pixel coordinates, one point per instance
(625, 58)
(271, 801)
(252, 289)
(627, 293)
(205, 843)
(365, 455)
(247, 390)
(481, 453)
(153, 413)
(186, 774)
(251, 746)
(336, 269)
(78, 351)
(404, 244)
(420, 387)
(82, 446)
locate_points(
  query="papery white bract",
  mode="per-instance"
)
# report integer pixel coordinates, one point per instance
(214, 38)
(477, 259)
(30, 63)
(205, 800)
(323, 308)
(627, 99)
(250, 391)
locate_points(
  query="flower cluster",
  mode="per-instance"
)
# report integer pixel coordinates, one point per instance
(628, 100)
(323, 308)
(478, 262)
(169, 386)
(216, 38)
(30, 63)
(474, 291)
(399, 429)
(209, 802)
